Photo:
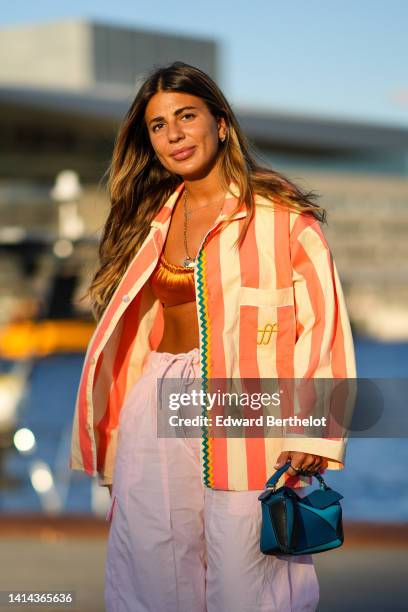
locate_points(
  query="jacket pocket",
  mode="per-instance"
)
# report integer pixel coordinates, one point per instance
(251, 296)
(261, 318)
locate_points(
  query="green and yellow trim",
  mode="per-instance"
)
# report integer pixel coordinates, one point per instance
(205, 360)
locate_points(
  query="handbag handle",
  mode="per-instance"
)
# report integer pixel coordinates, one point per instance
(271, 483)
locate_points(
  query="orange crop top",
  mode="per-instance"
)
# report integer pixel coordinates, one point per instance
(172, 284)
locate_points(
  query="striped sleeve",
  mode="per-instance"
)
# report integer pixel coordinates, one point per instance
(324, 344)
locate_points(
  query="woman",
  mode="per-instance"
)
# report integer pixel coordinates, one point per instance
(210, 267)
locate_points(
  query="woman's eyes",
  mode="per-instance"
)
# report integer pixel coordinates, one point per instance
(183, 117)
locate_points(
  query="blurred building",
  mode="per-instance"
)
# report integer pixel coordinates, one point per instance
(83, 56)
(64, 88)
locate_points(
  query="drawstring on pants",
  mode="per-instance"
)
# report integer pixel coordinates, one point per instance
(185, 376)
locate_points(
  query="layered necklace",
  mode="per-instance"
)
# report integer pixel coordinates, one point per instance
(190, 262)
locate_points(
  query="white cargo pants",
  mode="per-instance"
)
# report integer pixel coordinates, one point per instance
(177, 546)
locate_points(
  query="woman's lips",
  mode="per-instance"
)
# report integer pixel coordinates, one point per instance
(184, 154)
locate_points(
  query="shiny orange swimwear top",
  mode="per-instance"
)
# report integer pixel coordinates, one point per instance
(172, 284)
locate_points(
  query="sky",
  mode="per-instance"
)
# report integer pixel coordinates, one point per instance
(346, 60)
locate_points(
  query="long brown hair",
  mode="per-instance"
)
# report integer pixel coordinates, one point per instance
(139, 185)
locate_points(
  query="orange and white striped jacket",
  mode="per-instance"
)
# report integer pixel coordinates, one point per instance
(283, 275)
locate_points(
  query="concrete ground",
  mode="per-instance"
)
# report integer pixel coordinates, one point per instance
(368, 580)
(365, 574)
(32, 564)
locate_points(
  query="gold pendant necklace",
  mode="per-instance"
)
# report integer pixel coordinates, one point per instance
(189, 262)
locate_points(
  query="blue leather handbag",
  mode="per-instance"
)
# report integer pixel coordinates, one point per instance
(294, 525)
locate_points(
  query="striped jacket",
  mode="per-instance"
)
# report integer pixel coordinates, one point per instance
(283, 276)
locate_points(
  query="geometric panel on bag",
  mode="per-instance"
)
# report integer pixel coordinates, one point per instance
(278, 516)
(315, 525)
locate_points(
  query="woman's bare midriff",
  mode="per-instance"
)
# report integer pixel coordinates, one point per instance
(180, 328)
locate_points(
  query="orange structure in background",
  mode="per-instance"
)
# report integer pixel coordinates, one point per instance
(24, 339)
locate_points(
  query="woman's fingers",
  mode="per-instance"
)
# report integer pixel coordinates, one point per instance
(297, 460)
(306, 463)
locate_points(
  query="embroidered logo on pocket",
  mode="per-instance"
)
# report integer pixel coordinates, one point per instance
(265, 333)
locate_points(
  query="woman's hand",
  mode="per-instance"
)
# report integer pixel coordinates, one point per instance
(309, 464)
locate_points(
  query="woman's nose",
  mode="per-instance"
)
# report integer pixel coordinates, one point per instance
(174, 132)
